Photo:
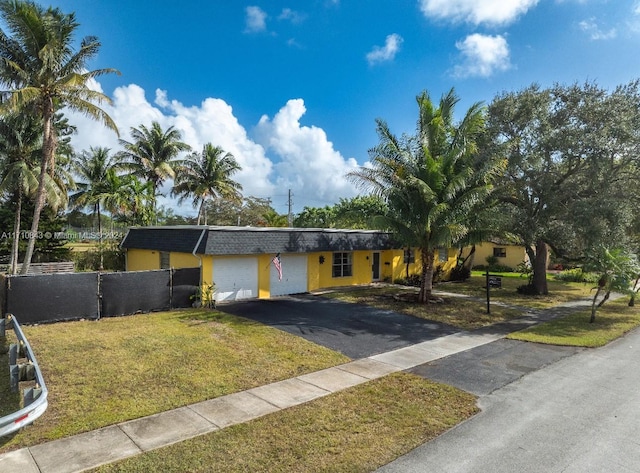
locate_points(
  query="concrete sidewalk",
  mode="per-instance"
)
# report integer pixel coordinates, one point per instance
(95, 448)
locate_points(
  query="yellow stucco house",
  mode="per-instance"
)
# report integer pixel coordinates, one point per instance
(506, 254)
(240, 260)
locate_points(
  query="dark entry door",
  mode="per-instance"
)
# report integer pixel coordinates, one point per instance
(375, 266)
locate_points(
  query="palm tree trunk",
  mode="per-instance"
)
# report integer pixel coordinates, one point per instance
(48, 151)
(426, 285)
(200, 212)
(13, 263)
(101, 265)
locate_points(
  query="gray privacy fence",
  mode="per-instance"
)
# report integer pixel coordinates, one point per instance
(73, 296)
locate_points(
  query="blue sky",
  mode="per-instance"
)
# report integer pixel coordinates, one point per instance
(293, 88)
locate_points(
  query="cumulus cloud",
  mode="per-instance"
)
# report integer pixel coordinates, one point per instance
(255, 20)
(292, 16)
(482, 55)
(592, 28)
(283, 154)
(489, 12)
(387, 52)
(308, 162)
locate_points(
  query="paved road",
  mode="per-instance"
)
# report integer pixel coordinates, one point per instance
(357, 331)
(580, 414)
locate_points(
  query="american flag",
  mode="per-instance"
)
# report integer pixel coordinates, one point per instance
(278, 264)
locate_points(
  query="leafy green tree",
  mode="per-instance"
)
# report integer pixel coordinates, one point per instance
(617, 269)
(430, 181)
(207, 175)
(249, 211)
(571, 153)
(129, 199)
(272, 218)
(359, 212)
(42, 73)
(316, 217)
(153, 155)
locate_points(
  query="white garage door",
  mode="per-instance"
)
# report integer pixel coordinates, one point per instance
(235, 278)
(294, 276)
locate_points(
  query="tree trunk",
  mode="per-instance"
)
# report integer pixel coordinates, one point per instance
(426, 285)
(594, 307)
(101, 265)
(540, 268)
(15, 245)
(48, 152)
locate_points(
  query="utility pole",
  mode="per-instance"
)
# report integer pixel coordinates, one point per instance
(290, 214)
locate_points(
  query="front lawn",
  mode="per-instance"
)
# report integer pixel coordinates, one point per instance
(356, 430)
(103, 372)
(613, 320)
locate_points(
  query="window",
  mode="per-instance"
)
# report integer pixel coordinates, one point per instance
(500, 252)
(443, 255)
(409, 256)
(342, 266)
(164, 260)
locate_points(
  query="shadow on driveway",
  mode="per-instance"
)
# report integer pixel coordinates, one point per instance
(357, 331)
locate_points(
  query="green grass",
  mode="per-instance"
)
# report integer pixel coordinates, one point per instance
(559, 291)
(613, 320)
(356, 430)
(462, 313)
(102, 372)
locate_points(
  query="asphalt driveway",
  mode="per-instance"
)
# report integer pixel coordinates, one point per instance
(357, 331)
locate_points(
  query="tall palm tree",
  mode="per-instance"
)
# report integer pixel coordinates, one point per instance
(128, 198)
(43, 73)
(430, 181)
(207, 175)
(152, 154)
(92, 167)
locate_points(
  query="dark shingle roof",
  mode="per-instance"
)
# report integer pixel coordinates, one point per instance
(254, 240)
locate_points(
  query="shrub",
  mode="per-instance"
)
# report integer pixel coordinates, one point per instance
(576, 275)
(460, 273)
(527, 290)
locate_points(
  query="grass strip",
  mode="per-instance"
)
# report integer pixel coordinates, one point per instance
(613, 320)
(103, 372)
(356, 430)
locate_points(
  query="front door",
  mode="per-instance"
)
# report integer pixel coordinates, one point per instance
(375, 267)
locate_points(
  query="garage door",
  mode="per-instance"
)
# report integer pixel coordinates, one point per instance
(235, 278)
(294, 276)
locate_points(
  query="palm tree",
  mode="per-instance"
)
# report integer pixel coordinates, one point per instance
(207, 175)
(92, 167)
(128, 198)
(429, 181)
(152, 155)
(42, 74)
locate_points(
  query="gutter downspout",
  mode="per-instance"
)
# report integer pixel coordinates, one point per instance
(197, 256)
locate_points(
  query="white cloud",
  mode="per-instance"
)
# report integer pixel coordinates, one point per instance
(309, 165)
(292, 16)
(303, 159)
(255, 20)
(387, 52)
(492, 12)
(591, 27)
(482, 55)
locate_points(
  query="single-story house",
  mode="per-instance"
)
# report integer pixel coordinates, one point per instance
(240, 260)
(506, 254)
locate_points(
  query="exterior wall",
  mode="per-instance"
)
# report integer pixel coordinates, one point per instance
(400, 267)
(320, 274)
(515, 254)
(183, 260)
(142, 260)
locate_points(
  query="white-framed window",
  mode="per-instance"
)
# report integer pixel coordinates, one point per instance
(342, 265)
(500, 252)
